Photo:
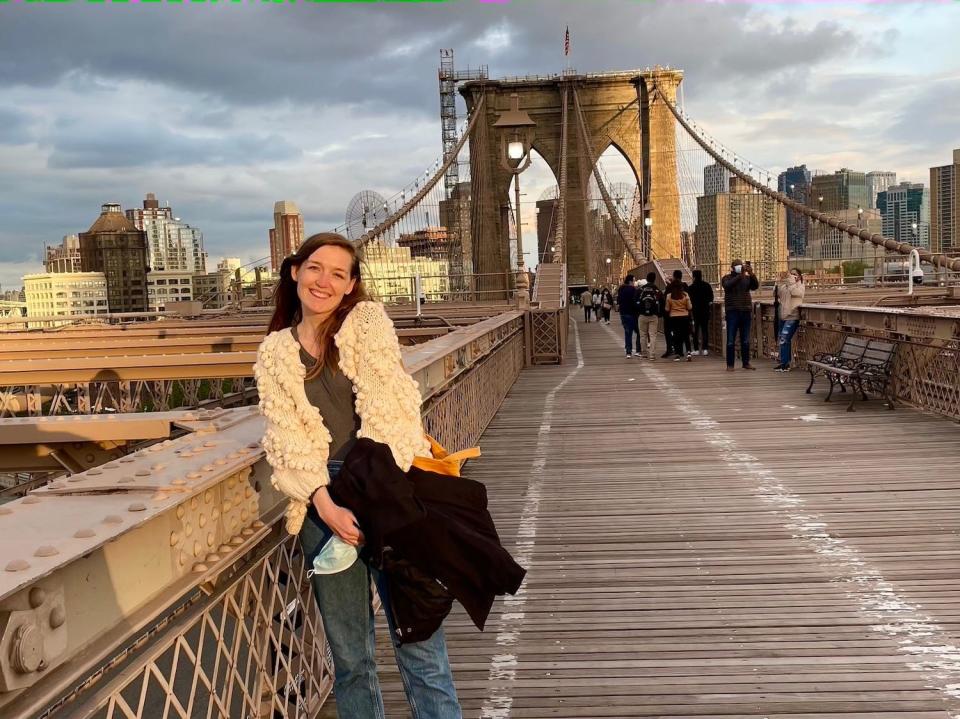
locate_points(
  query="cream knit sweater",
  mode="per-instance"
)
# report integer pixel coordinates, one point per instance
(297, 443)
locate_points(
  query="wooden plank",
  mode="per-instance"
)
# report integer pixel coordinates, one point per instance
(664, 578)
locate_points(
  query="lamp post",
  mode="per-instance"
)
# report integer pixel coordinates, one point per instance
(608, 271)
(648, 225)
(516, 130)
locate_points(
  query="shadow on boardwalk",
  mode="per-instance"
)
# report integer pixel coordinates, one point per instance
(707, 544)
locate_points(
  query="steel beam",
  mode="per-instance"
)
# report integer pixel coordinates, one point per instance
(92, 559)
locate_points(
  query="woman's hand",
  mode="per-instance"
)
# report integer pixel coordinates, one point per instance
(340, 519)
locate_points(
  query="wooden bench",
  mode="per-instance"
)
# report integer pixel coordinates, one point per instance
(862, 363)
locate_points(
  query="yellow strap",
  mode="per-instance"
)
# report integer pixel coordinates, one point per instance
(463, 455)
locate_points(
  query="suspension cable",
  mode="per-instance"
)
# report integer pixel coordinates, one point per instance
(412, 202)
(887, 243)
(628, 241)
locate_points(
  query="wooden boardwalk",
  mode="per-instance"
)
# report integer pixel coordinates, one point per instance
(711, 544)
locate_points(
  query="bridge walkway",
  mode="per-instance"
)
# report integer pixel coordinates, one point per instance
(711, 544)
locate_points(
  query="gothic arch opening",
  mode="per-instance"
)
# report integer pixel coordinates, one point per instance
(538, 209)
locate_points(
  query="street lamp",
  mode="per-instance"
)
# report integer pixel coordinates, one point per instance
(859, 216)
(648, 225)
(516, 138)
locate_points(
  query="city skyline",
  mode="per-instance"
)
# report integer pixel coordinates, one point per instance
(222, 138)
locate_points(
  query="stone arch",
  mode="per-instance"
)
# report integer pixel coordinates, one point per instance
(616, 111)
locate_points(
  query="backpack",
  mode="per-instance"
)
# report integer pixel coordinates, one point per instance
(648, 301)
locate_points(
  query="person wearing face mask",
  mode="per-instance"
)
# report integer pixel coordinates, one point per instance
(738, 306)
(790, 290)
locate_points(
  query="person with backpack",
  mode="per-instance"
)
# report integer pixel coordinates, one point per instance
(627, 302)
(701, 296)
(649, 303)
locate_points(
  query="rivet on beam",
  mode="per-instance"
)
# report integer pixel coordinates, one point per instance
(46, 550)
(17, 565)
(84, 533)
(112, 519)
(37, 597)
(57, 617)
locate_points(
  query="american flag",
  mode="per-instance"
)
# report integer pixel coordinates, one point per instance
(566, 42)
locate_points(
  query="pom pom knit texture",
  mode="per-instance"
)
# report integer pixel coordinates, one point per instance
(296, 441)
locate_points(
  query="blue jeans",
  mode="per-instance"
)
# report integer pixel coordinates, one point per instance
(630, 328)
(788, 329)
(738, 320)
(345, 606)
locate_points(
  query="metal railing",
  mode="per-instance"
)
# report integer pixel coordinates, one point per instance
(178, 593)
(925, 371)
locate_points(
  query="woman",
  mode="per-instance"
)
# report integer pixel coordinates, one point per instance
(328, 371)
(606, 303)
(677, 308)
(790, 291)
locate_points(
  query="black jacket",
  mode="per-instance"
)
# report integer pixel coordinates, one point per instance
(701, 295)
(626, 300)
(736, 290)
(431, 534)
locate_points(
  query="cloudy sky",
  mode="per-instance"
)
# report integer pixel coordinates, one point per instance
(223, 109)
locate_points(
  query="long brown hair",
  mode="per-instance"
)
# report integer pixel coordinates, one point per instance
(676, 290)
(287, 309)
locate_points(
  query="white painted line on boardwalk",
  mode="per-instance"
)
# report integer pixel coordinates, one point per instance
(503, 667)
(926, 646)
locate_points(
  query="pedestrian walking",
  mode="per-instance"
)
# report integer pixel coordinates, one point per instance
(791, 290)
(586, 299)
(606, 304)
(678, 308)
(738, 305)
(701, 296)
(627, 304)
(649, 309)
(329, 363)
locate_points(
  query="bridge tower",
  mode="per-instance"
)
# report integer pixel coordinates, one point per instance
(620, 109)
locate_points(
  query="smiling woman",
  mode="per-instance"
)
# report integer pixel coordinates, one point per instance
(319, 285)
(329, 372)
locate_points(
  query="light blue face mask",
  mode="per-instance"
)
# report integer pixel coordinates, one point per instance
(335, 556)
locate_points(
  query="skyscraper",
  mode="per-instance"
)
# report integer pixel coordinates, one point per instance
(115, 247)
(172, 245)
(842, 190)
(903, 206)
(716, 179)
(740, 223)
(64, 257)
(945, 206)
(877, 182)
(794, 182)
(286, 235)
